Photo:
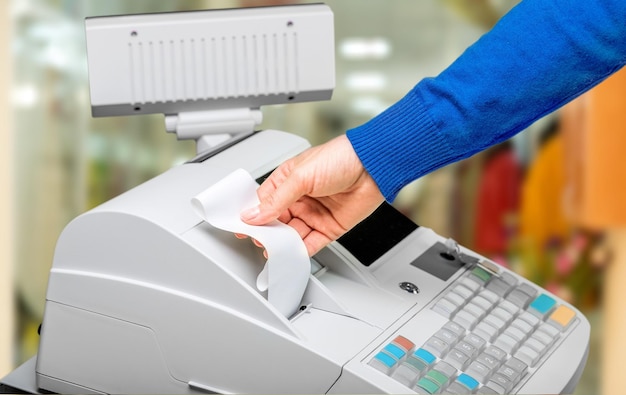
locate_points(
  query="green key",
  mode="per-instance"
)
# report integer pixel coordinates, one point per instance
(481, 273)
(437, 377)
(416, 362)
(428, 385)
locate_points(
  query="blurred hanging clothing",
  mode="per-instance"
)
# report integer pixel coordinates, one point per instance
(594, 127)
(542, 218)
(497, 201)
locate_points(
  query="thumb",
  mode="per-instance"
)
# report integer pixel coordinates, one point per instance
(274, 200)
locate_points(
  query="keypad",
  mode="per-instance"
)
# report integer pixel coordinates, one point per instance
(498, 331)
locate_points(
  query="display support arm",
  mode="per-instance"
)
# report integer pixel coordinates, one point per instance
(210, 128)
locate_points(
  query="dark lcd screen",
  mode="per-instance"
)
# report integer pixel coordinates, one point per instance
(377, 234)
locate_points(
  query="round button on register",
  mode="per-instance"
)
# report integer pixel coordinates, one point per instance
(409, 287)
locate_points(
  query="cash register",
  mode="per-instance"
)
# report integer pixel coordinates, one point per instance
(149, 294)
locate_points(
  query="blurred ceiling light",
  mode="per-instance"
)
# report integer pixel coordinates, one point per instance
(366, 81)
(25, 96)
(179, 160)
(24, 8)
(369, 106)
(365, 48)
(54, 44)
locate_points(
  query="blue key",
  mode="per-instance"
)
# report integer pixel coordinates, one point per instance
(467, 381)
(543, 304)
(395, 351)
(386, 359)
(424, 356)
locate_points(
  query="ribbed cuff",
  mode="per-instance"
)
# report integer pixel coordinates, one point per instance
(400, 145)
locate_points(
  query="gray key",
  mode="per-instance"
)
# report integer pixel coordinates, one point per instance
(447, 336)
(543, 338)
(509, 373)
(515, 333)
(504, 315)
(467, 349)
(445, 368)
(406, 374)
(528, 355)
(482, 303)
(466, 319)
(486, 390)
(496, 352)
(496, 387)
(490, 296)
(455, 298)
(519, 298)
(499, 286)
(509, 278)
(454, 327)
(478, 371)
(489, 361)
(472, 285)
(522, 325)
(457, 359)
(445, 308)
(475, 341)
(527, 289)
(510, 307)
(529, 318)
(463, 291)
(436, 346)
(517, 365)
(502, 381)
(550, 330)
(506, 343)
(486, 331)
(475, 310)
(536, 345)
(456, 388)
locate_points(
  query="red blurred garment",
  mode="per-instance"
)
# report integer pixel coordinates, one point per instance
(497, 202)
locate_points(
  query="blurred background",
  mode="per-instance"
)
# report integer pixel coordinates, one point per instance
(541, 203)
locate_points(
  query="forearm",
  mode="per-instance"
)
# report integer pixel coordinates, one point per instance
(538, 57)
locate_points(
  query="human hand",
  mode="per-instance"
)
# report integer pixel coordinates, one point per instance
(321, 193)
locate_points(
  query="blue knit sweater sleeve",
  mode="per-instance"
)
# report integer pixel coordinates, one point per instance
(538, 57)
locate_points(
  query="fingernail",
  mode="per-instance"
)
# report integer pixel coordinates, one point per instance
(250, 213)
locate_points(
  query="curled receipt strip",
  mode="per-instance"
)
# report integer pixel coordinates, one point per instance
(286, 272)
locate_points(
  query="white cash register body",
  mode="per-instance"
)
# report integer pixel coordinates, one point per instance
(145, 297)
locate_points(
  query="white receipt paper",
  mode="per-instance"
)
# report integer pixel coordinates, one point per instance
(286, 272)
